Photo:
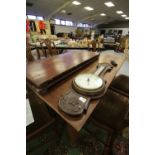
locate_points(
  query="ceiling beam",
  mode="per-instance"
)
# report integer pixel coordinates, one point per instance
(88, 17)
(105, 19)
(59, 9)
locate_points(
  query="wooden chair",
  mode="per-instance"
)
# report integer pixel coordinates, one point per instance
(121, 46)
(121, 85)
(112, 114)
(112, 111)
(100, 42)
(93, 45)
(51, 47)
(29, 55)
(43, 49)
(32, 54)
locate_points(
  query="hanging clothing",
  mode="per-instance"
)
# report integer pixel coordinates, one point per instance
(37, 26)
(41, 25)
(27, 26)
(32, 26)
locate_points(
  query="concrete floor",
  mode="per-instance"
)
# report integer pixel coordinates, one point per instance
(125, 67)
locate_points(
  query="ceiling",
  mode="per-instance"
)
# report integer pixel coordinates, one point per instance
(53, 9)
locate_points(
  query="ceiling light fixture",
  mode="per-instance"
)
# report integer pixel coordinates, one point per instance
(119, 12)
(103, 14)
(88, 8)
(76, 3)
(109, 4)
(124, 15)
(63, 11)
(127, 18)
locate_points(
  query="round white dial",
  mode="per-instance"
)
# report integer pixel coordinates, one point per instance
(88, 81)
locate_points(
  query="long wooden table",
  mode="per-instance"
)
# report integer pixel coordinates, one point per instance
(52, 96)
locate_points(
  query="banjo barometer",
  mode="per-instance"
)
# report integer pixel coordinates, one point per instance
(85, 86)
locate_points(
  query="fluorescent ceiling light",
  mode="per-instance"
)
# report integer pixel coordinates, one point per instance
(31, 17)
(57, 21)
(109, 4)
(63, 11)
(103, 14)
(76, 3)
(127, 18)
(119, 12)
(40, 18)
(88, 8)
(124, 15)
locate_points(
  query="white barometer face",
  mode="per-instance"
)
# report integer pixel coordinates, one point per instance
(88, 81)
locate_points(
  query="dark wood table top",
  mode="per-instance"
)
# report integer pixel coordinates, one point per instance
(53, 95)
(41, 72)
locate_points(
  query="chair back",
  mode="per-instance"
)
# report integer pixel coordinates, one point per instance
(29, 55)
(122, 44)
(43, 49)
(112, 111)
(51, 47)
(93, 45)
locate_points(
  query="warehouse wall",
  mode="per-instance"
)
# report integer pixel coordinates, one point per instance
(124, 26)
(65, 29)
(125, 30)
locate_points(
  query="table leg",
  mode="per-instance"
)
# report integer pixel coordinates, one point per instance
(73, 135)
(38, 53)
(61, 51)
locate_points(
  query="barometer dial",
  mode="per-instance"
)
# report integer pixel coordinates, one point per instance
(88, 81)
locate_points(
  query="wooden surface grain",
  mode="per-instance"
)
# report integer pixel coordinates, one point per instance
(42, 71)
